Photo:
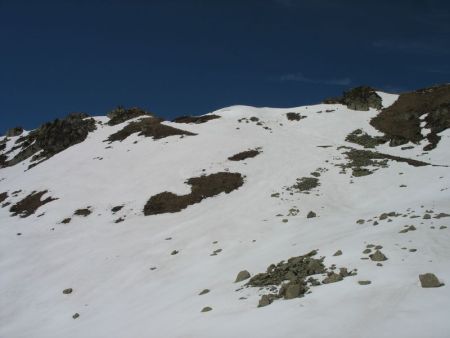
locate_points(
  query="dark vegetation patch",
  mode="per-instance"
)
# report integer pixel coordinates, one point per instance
(298, 272)
(83, 212)
(304, 185)
(245, 154)
(363, 139)
(359, 98)
(401, 121)
(30, 204)
(121, 114)
(202, 187)
(359, 160)
(291, 116)
(3, 196)
(148, 127)
(195, 119)
(52, 138)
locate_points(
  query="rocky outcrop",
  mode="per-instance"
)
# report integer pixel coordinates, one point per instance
(121, 114)
(359, 98)
(52, 138)
(16, 131)
(195, 119)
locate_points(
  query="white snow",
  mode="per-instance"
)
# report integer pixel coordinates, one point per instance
(108, 264)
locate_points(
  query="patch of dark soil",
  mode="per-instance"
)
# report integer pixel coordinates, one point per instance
(195, 119)
(3, 196)
(202, 187)
(116, 208)
(82, 212)
(30, 204)
(121, 114)
(401, 121)
(244, 155)
(364, 139)
(54, 137)
(360, 159)
(298, 272)
(291, 116)
(359, 98)
(148, 127)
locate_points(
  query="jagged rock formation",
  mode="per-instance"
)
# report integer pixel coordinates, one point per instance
(195, 119)
(121, 114)
(359, 98)
(16, 131)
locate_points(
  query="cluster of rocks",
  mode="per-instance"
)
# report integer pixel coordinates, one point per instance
(244, 155)
(293, 278)
(28, 205)
(195, 119)
(304, 185)
(363, 139)
(121, 114)
(359, 98)
(291, 116)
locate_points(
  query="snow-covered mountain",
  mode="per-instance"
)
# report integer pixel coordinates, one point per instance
(130, 226)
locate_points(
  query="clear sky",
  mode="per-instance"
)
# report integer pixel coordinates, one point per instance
(185, 57)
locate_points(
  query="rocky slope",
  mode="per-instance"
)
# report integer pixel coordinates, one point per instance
(322, 220)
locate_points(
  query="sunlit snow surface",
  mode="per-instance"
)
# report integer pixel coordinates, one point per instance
(108, 264)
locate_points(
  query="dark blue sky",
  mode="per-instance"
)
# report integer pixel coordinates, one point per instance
(191, 57)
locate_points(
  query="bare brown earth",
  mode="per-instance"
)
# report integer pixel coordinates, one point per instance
(148, 127)
(202, 187)
(401, 121)
(195, 119)
(244, 155)
(30, 204)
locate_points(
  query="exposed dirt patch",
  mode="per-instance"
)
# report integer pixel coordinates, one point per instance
(195, 119)
(3, 196)
(359, 98)
(401, 121)
(291, 116)
(148, 127)
(244, 155)
(30, 204)
(83, 212)
(202, 187)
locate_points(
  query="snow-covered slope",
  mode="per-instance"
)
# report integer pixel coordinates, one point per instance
(127, 281)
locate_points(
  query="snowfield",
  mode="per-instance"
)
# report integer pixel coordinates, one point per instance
(126, 282)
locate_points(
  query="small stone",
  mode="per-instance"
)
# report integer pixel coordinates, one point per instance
(76, 315)
(370, 245)
(378, 247)
(174, 252)
(412, 250)
(67, 291)
(206, 309)
(378, 256)
(364, 282)
(383, 216)
(285, 220)
(337, 253)
(367, 251)
(375, 223)
(311, 214)
(204, 292)
(442, 227)
(429, 280)
(19, 234)
(265, 300)
(360, 221)
(242, 275)
(426, 216)
(66, 220)
(379, 264)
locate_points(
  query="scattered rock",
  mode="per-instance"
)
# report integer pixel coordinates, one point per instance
(311, 214)
(337, 253)
(244, 155)
(427, 216)
(206, 309)
(360, 221)
(66, 220)
(195, 119)
(76, 315)
(204, 292)
(116, 208)
(378, 256)
(242, 275)
(67, 291)
(291, 116)
(82, 212)
(266, 300)
(364, 282)
(174, 252)
(429, 280)
(332, 278)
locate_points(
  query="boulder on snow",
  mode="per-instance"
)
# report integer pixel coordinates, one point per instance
(429, 280)
(242, 275)
(378, 256)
